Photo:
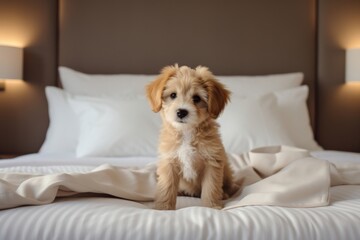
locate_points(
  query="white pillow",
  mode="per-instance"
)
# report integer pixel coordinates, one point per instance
(295, 115)
(112, 127)
(251, 122)
(61, 136)
(123, 85)
(116, 127)
(127, 84)
(258, 85)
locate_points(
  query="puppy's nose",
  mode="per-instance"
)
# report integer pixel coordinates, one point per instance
(181, 113)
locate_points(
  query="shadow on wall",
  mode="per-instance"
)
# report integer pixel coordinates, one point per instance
(338, 102)
(23, 108)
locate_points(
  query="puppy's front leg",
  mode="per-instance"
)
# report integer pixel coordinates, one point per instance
(212, 192)
(167, 186)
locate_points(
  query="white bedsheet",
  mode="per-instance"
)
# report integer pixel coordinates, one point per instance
(37, 159)
(111, 218)
(43, 159)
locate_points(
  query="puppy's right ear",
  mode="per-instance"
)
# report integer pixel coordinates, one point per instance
(155, 88)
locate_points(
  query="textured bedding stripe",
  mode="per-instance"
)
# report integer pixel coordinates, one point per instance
(110, 218)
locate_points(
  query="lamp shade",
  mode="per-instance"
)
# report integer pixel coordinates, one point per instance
(352, 72)
(11, 62)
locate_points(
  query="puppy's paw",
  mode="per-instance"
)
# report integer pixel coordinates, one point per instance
(230, 191)
(225, 196)
(218, 207)
(164, 206)
(214, 205)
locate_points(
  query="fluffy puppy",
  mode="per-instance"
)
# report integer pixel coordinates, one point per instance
(192, 160)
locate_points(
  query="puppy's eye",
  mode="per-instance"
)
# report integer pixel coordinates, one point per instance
(196, 99)
(173, 95)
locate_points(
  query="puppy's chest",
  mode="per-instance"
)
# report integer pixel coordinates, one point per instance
(188, 157)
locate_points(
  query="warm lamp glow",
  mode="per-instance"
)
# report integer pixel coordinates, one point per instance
(11, 67)
(352, 68)
(16, 29)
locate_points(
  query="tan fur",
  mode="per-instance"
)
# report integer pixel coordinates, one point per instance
(192, 160)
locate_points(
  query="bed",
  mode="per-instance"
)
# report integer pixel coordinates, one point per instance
(99, 115)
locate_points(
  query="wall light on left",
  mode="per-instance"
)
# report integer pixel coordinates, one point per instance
(11, 64)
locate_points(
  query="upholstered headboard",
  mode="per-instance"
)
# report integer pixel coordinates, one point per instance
(230, 37)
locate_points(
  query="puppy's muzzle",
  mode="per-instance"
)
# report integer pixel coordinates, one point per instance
(181, 113)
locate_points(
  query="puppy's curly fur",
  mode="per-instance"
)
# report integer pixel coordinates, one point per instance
(192, 160)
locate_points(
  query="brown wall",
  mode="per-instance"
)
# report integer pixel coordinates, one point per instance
(338, 108)
(23, 107)
(32, 24)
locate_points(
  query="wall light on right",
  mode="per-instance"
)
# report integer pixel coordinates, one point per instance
(352, 66)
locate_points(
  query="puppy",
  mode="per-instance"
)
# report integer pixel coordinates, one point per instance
(192, 160)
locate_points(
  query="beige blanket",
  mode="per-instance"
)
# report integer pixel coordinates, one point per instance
(281, 176)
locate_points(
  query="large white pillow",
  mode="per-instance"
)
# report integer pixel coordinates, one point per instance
(251, 122)
(257, 85)
(295, 115)
(124, 85)
(285, 111)
(127, 84)
(112, 127)
(62, 133)
(126, 127)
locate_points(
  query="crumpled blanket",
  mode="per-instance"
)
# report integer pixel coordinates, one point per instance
(277, 176)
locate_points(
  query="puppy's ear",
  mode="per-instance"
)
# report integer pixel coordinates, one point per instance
(218, 95)
(155, 88)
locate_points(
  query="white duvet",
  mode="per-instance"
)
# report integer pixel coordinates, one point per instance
(94, 217)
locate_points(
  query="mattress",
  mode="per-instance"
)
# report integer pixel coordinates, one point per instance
(102, 217)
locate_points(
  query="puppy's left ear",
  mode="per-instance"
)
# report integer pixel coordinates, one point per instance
(155, 89)
(218, 95)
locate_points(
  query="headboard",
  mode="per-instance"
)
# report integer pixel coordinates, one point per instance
(247, 37)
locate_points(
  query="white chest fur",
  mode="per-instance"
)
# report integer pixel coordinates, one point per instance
(186, 154)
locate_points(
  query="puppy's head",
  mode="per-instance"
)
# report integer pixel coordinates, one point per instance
(186, 96)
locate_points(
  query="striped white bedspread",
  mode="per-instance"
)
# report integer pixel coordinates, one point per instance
(110, 218)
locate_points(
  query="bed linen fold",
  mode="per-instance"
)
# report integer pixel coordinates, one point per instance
(278, 176)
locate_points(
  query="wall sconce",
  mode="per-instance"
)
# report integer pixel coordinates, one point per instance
(352, 68)
(11, 64)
